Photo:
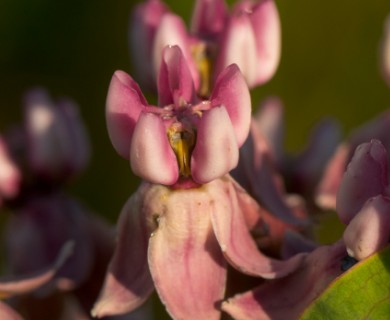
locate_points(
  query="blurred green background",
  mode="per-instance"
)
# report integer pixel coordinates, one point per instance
(329, 67)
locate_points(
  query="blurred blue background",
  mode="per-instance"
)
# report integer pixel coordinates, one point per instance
(329, 67)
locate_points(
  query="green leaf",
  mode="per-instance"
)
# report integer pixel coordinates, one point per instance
(363, 292)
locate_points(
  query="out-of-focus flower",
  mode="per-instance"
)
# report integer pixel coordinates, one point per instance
(184, 138)
(385, 51)
(184, 237)
(10, 178)
(57, 143)
(215, 40)
(363, 201)
(329, 184)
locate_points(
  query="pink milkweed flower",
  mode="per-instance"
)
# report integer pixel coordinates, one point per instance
(212, 43)
(363, 200)
(177, 228)
(184, 138)
(326, 191)
(57, 143)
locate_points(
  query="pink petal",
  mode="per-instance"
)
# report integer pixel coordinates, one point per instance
(128, 283)
(239, 34)
(172, 31)
(386, 51)
(175, 85)
(10, 176)
(369, 230)
(143, 24)
(123, 107)
(235, 240)
(231, 91)
(185, 260)
(208, 18)
(270, 120)
(266, 25)
(216, 151)
(7, 313)
(28, 283)
(286, 298)
(151, 156)
(329, 184)
(366, 176)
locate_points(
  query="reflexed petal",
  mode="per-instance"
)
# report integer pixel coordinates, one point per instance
(175, 85)
(124, 104)
(128, 283)
(216, 151)
(231, 91)
(286, 298)
(151, 156)
(185, 260)
(172, 31)
(369, 230)
(143, 25)
(28, 283)
(7, 313)
(366, 176)
(236, 242)
(208, 18)
(239, 34)
(295, 243)
(266, 25)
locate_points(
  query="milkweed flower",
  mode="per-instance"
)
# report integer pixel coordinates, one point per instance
(10, 176)
(177, 228)
(214, 41)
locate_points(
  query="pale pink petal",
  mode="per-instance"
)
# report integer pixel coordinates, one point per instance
(369, 231)
(236, 242)
(175, 85)
(295, 243)
(10, 176)
(270, 120)
(128, 283)
(185, 260)
(7, 313)
(231, 91)
(385, 51)
(172, 31)
(143, 24)
(266, 25)
(366, 176)
(325, 194)
(216, 151)
(151, 156)
(239, 34)
(287, 298)
(124, 104)
(27, 283)
(208, 18)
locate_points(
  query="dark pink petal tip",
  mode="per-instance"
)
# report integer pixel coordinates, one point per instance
(124, 104)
